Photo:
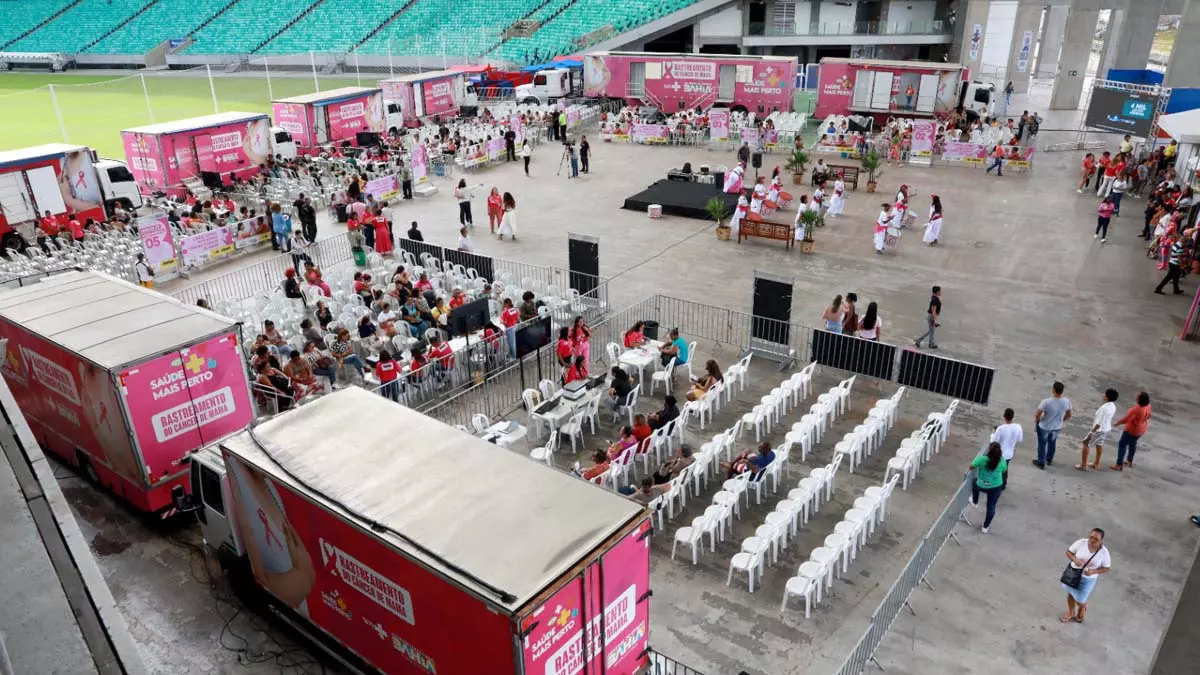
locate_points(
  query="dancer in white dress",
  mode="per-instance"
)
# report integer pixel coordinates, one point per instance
(733, 182)
(739, 213)
(508, 222)
(756, 203)
(837, 201)
(933, 229)
(798, 224)
(881, 227)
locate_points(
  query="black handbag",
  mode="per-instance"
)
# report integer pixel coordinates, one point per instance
(1072, 577)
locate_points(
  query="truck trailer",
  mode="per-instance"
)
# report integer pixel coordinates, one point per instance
(334, 116)
(407, 546)
(211, 148)
(62, 179)
(673, 82)
(441, 93)
(881, 88)
(123, 382)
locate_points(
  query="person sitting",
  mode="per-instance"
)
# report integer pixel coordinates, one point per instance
(440, 312)
(309, 332)
(272, 386)
(820, 172)
(636, 336)
(263, 353)
(748, 461)
(599, 467)
(366, 328)
(343, 351)
(319, 360)
(647, 491)
(411, 314)
(441, 353)
(674, 348)
(669, 469)
(642, 431)
(618, 447)
(712, 375)
(388, 372)
(565, 349)
(419, 365)
(576, 371)
(618, 393)
(300, 371)
(385, 312)
(662, 418)
(457, 299)
(423, 283)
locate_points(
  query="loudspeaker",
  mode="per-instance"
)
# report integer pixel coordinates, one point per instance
(756, 160)
(583, 256)
(772, 309)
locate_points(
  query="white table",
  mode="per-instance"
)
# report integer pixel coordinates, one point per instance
(641, 357)
(504, 434)
(556, 416)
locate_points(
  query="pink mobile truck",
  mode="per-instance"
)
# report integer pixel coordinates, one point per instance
(880, 88)
(334, 116)
(210, 148)
(411, 97)
(408, 547)
(672, 82)
(123, 382)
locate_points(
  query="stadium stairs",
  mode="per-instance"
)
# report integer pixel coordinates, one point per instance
(387, 22)
(61, 10)
(288, 25)
(529, 16)
(119, 26)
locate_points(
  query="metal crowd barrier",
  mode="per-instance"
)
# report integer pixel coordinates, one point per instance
(264, 276)
(915, 572)
(661, 664)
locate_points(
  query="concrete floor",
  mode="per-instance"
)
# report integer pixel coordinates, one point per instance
(1026, 290)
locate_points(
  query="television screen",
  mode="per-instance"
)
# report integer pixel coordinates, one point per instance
(470, 317)
(533, 337)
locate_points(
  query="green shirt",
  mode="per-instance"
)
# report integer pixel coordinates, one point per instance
(988, 479)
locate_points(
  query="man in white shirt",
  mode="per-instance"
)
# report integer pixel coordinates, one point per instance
(1008, 435)
(1102, 423)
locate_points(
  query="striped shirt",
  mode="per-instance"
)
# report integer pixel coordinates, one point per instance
(1176, 253)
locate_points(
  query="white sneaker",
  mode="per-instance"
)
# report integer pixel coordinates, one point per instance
(1102, 241)
(1080, 191)
(983, 530)
(1095, 236)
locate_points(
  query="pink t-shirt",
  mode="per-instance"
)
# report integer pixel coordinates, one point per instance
(1105, 210)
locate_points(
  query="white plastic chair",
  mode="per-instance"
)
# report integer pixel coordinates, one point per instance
(546, 452)
(826, 474)
(799, 586)
(480, 422)
(630, 404)
(664, 376)
(573, 428)
(749, 560)
(759, 416)
(614, 353)
(851, 446)
(882, 493)
(691, 535)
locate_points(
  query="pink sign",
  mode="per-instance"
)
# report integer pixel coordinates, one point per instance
(922, 138)
(972, 153)
(186, 399)
(649, 133)
(204, 247)
(835, 89)
(557, 632)
(439, 96)
(144, 156)
(748, 135)
(157, 244)
(291, 118)
(694, 81)
(346, 119)
(420, 164)
(518, 128)
(718, 124)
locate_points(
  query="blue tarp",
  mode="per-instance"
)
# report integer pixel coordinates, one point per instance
(573, 65)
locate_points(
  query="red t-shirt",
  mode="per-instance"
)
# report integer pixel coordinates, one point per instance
(443, 353)
(564, 350)
(387, 371)
(642, 432)
(457, 301)
(573, 374)
(510, 317)
(633, 337)
(360, 286)
(49, 225)
(76, 229)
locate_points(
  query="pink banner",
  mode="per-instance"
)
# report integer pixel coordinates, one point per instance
(420, 164)
(495, 149)
(383, 188)
(557, 632)
(291, 118)
(971, 153)
(157, 244)
(186, 399)
(748, 135)
(439, 96)
(718, 124)
(922, 138)
(627, 602)
(346, 119)
(206, 247)
(517, 127)
(143, 154)
(650, 133)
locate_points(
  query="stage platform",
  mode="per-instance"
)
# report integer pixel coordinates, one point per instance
(679, 198)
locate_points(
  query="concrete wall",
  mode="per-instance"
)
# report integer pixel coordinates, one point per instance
(829, 13)
(725, 23)
(999, 35)
(902, 13)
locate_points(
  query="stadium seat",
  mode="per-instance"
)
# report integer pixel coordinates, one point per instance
(32, 13)
(471, 28)
(242, 28)
(79, 26)
(164, 20)
(330, 26)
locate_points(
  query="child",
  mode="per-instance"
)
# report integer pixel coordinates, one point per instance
(1102, 219)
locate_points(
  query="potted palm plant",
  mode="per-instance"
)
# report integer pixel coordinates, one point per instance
(809, 221)
(870, 164)
(718, 211)
(795, 164)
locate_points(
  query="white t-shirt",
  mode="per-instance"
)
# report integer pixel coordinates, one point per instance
(143, 271)
(387, 316)
(464, 244)
(1101, 559)
(872, 333)
(1104, 416)
(1008, 435)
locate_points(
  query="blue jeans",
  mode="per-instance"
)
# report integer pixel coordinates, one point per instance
(998, 165)
(327, 372)
(1047, 443)
(353, 360)
(391, 390)
(1126, 448)
(993, 496)
(1116, 197)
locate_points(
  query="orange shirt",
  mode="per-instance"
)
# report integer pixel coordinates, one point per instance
(595, 472)
(1136, 419)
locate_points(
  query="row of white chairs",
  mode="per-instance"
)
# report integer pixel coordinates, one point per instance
(841, 547)
(921, 445)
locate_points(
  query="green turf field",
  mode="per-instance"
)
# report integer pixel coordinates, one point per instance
(96, 108)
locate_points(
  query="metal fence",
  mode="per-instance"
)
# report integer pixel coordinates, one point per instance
(913, 574)
(660, 664)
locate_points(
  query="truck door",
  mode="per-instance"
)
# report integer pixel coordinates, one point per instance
(210, 494)
(637, 78)
(321, 125)
(14, 199)
(47, 195)
(727, 77)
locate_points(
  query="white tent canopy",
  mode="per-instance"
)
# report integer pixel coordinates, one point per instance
(1182, 126)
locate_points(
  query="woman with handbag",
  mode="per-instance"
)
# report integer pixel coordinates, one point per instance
(1089, 559)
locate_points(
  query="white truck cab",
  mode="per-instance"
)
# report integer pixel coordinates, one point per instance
(211, 498)
(550, 85)
(282, 143)
(980, 97)
(117, 185)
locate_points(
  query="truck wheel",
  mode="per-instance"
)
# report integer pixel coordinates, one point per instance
(85, 466)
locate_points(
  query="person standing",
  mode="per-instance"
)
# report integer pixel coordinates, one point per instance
(997, 160)
(463, 195)
(933, 229)
(932, 318)
(281, 227)
(526, 153)
(562, 124)
(508, 221)
(464, 241)
(1088, 170)
(1135, 421)
(1174, 270)
(1103, 216)
(832, 316)
(1089, 559)
(1008, 92)
(1101, 425)
(990, 468)
(1008, 435)
(881, 227)
(415, 234)
(872, 323)
(573, 153)
(585, 153)
(406, 181)
(1051, 414)
(495, 209)
(510, 145)
(145, 275)
(850, 318)
(308, 217)
(743, 153)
